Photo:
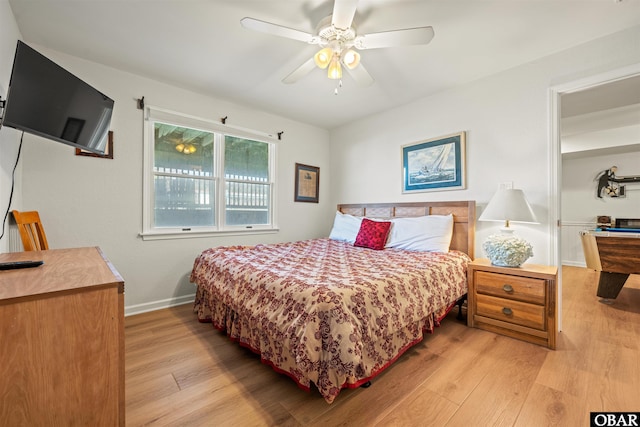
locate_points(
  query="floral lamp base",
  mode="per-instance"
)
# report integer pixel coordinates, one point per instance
(507, 250)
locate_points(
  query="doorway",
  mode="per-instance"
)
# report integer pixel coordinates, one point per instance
(584, 94)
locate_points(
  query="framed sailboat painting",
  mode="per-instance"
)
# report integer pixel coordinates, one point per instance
(435, 164)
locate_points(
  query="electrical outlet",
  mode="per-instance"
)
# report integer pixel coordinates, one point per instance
(507, 185)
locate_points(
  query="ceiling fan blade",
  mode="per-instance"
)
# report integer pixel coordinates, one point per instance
(277, 30)
(343, 13)
(360, 75)
(300, 72)
(409, 36)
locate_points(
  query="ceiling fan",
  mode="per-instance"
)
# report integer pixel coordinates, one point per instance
(339, 41)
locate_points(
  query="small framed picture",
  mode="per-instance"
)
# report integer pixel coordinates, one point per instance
(307, 183)
(434, 164)
(108, 152)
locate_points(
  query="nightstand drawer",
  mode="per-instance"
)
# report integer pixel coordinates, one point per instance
(516, 312)
(513, 287)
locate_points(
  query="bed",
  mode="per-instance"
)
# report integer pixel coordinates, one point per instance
(327, 312)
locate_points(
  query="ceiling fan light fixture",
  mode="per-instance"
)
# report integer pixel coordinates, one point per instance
(335, 70)
(335, 37)
(186, 148)
(323, 57)
(351, 59)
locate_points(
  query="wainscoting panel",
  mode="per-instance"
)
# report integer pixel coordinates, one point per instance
(571, 244)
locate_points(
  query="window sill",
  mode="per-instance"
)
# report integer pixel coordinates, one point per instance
(169, 235)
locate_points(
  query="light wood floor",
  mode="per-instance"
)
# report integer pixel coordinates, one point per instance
(181, 372)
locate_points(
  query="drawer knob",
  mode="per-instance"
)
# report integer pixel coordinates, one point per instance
(507, 311)
(507, 288)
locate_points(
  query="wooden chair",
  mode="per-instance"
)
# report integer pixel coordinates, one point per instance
(31, 230)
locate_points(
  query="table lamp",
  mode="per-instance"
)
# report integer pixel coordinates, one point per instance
(505, 249)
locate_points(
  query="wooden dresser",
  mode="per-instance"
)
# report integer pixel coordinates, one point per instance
(62, 339)
(519, 302)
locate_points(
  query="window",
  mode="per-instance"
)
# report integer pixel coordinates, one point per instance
(201, 177)
(247, 187)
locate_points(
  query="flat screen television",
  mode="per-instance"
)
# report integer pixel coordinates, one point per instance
(46, 100)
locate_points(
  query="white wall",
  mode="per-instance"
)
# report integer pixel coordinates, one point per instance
(9, 138)
(87, 201)
(506, 117)
(579, 201)
(581, 206)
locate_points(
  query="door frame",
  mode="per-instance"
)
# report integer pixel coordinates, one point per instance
(555, 154)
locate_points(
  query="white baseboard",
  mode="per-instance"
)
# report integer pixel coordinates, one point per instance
(157, 305)
(574, 263)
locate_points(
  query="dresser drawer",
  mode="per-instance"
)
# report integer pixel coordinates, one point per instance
(516, 312)
(513, 287)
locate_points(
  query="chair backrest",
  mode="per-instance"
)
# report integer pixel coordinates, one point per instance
(31, 230)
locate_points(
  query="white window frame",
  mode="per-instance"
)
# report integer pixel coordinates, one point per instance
(149, 231)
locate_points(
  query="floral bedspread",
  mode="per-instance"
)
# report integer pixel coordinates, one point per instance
(324, 311)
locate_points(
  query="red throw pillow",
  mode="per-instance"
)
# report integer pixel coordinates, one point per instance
(373, 234)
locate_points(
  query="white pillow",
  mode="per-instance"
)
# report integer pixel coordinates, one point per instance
(345, 227)
(430, 233)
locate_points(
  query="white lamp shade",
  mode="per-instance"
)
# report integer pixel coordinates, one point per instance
(508, 205)
(506, 249)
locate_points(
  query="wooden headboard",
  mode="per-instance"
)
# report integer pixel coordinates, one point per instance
(464, 217)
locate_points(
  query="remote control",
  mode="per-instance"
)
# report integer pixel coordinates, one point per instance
(19, 264)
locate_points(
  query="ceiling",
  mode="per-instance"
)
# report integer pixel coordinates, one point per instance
(200, 45)
(601, 120)
(622, 93)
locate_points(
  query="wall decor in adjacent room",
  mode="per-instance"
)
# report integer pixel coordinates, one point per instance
(609, 184)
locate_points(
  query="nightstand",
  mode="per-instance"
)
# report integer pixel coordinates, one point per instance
(519, 302)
